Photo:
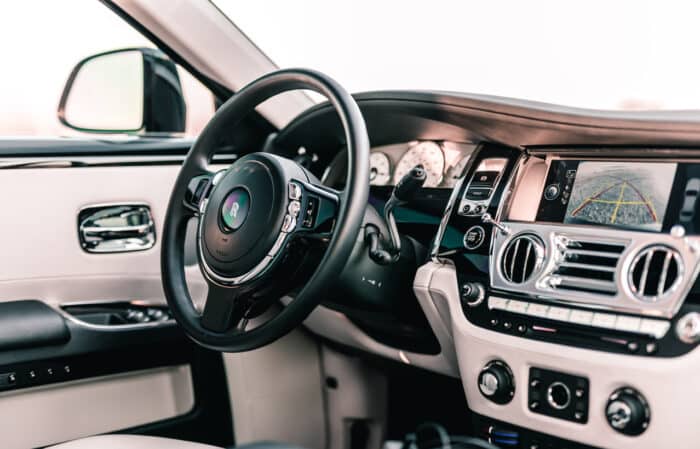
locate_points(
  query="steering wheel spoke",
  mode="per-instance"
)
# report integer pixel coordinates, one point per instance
(223, 310)
(313, 210)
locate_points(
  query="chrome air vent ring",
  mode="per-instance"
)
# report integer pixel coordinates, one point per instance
(655, 273)
(522, 258)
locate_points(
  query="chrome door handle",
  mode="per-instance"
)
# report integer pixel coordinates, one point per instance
(116, 228)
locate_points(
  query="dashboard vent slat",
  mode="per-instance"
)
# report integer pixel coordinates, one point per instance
(654, 273)
(587, 266)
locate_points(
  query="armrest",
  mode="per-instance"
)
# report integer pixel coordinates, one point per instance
(30, 323)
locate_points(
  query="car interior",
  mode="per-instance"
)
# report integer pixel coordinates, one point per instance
(389, 269)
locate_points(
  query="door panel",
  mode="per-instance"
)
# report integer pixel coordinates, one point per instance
(40, 243)
(81, 408)
(145, 378)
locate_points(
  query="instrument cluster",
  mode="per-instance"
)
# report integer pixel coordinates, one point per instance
(443, 162)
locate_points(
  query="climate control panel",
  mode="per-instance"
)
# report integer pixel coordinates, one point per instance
(558, 395)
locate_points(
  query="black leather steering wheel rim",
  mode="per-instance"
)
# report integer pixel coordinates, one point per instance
(352, 204)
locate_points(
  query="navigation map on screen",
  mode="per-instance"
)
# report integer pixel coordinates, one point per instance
(630, 195)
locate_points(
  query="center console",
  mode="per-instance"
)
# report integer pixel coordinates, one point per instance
(574, 273)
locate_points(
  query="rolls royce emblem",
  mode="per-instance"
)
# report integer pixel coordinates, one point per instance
(235, 209)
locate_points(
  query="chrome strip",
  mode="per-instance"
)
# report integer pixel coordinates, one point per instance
(664, 274)
(587, 266)
(105, 327)
(447, 214)
(645, 273)
(544, 285)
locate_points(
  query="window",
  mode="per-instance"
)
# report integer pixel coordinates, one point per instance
(618, 55)
(42, 43)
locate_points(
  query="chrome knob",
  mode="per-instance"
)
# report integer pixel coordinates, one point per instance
(488, 384)
(619, 414)
(496, 382)
(628, 412)
(472, 294)
(688, 328)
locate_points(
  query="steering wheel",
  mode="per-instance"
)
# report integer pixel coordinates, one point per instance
(252, 218)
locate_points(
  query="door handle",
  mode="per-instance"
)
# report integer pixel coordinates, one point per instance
(116, 228)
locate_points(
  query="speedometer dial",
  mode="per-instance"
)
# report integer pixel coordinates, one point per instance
(379, 169)
(427, 154)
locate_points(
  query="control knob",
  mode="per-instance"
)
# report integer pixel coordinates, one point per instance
(628, 412)
(688, 328)
(472, 294)
(496, 382)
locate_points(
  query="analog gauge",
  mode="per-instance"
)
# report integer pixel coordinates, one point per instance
(455, 172)
(379, 169)
(427, 154)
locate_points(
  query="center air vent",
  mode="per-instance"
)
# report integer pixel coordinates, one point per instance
(586, 265)
(522, 258)
(655, 272)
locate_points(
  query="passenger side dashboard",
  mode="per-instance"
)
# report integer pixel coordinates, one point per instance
(572, 305)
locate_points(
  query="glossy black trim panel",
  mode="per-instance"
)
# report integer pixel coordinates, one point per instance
(30, 323)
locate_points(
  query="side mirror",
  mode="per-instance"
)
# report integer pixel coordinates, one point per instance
(124, 91)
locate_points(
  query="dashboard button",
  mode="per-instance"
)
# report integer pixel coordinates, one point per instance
(485, 178)
(517, 306)
(477, 193)
(581, 317)
(628, 323)
(539, 310)
(605, 320)
(294, 191)
(558, 313)
(657, 328)
(498, 303)
(474, 237)
(551, 192)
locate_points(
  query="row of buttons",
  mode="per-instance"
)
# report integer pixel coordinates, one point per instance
(472, 208)
(656, 328)
(35, 376)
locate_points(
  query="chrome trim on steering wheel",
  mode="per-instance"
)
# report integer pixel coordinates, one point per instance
(265, 263)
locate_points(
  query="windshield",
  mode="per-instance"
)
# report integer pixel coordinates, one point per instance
(630, 55)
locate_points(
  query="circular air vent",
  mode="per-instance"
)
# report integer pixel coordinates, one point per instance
(655, 272)
(522, 258)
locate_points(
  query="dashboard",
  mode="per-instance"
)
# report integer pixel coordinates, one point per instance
(560, 282)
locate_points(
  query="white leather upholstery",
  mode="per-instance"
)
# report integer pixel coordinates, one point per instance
(130, 442)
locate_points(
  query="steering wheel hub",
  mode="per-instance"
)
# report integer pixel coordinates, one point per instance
(243, 213)
(234, 211)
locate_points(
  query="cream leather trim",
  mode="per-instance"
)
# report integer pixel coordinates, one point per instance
(45, 415)
(277, 393)
(669, 385)
(130, 442)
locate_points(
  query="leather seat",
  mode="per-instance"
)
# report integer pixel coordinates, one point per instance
(145, 442)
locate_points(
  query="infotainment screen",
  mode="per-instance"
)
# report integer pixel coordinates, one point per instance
(631, 195)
